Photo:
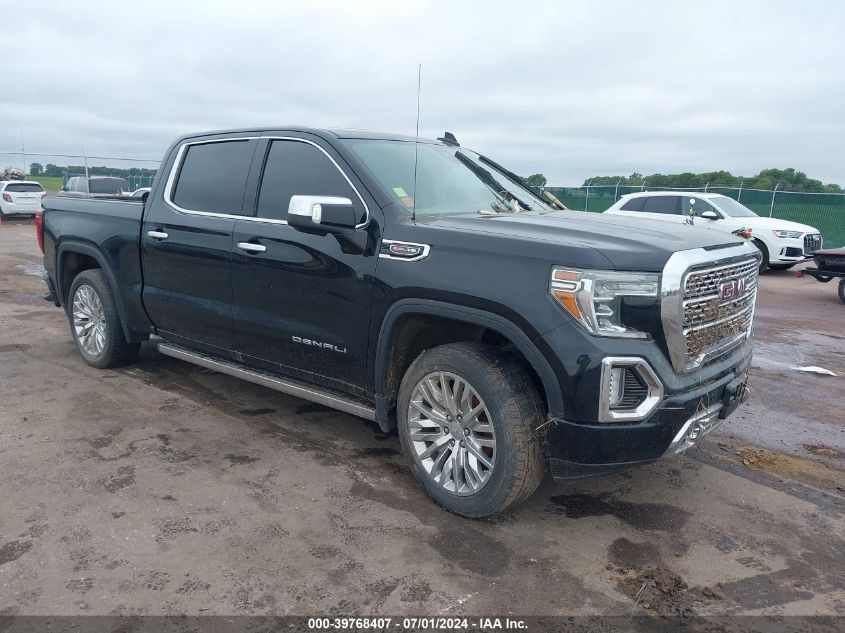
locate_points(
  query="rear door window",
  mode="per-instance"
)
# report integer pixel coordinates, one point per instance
(294, 168)
(212, 177)
(634, 204)
(25, 187)
(668, 205)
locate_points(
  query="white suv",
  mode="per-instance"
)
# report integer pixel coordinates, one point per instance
(782, 243)
(20, 197)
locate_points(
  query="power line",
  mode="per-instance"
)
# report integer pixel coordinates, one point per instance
(48, 154)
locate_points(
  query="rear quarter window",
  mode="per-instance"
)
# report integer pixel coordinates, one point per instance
(212, 177)
(634, 204)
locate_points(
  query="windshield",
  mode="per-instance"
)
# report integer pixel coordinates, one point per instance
(449, 179)
(732, 208)
(108, 185)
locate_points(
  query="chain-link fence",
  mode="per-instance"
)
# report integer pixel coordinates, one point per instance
(135, 182)
(52, 170)
(823, 211)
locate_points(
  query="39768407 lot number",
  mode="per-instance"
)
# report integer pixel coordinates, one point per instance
(325, 624)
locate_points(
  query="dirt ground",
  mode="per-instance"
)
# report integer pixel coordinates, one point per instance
(163, 488)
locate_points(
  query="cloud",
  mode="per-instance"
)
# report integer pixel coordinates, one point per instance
(568, 89)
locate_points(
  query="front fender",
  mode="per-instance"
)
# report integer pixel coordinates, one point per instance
(530, 349)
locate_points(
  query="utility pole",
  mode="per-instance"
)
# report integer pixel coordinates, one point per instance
(23, 155)
(616, 193)
(772, 206)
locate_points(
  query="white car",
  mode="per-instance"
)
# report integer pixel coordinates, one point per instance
(20, 197)
(783, 243)
(140, 193)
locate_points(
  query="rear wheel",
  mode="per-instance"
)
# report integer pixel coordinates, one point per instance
(467, 424)
(764, 263)
(95, 324)
(842, 289)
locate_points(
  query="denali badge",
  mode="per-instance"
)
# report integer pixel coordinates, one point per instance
(329, 346)
(403, 251)
(733, 289)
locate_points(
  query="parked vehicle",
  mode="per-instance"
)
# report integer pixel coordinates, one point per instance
(830, 265)
(95, 187)
(422, 286)
(140, 193)
(782, 243)
(20, 197)
(12, 173)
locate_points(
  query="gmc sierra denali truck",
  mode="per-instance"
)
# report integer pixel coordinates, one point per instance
(425, 287)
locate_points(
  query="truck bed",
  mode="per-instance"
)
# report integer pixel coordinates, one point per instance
(104, 230)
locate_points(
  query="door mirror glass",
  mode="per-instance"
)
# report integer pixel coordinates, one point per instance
(710, 215)
(322, 214)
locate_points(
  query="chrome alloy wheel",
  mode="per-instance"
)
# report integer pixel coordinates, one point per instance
(89, 320)
(451, 433)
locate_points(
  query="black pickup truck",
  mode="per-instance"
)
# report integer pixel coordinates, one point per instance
(425, 287)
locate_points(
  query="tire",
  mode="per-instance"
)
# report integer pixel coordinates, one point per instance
(842, 289)
(764, 263)
(781, 266)
(91, 307)
(512, 413)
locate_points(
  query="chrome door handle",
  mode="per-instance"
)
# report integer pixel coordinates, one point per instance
(249, 247)
(157, 235)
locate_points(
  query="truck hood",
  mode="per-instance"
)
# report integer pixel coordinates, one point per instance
(627, 243)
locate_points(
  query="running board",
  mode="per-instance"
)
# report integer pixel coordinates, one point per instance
(290, 387)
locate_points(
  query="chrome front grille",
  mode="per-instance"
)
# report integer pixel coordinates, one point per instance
(812, 243)
(705, 282)
(718, 305)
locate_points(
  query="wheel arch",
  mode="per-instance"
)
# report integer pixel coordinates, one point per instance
(74, 257)
(467, 323)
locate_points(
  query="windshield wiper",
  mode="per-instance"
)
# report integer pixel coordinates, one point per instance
(519, 180)
(488, 179)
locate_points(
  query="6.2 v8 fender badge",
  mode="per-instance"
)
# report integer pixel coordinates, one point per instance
(403, 251)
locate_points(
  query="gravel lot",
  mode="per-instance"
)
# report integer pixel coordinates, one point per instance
(162, 488)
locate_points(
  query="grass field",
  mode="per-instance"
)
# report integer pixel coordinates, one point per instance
(50, 183)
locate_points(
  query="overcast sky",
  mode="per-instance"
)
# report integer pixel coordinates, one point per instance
(571, 90)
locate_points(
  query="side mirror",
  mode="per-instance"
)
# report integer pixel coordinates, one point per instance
(709, 215)
(64, 188)
(321, 215)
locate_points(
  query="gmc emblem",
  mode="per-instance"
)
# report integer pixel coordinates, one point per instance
(733, 289)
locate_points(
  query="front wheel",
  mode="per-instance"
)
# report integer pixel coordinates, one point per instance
(764, 263)
(95, 324)
(842, 289)
(468, 419)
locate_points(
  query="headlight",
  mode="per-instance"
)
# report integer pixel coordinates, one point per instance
(594, 297)
(787, 233)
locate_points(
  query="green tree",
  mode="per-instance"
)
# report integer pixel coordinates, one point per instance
(538, 180)
(36, 169)
(789, 180)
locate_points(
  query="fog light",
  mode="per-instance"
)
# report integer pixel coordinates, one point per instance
(694, 432)
(617, 386)
(630, 390)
